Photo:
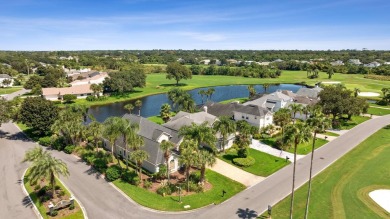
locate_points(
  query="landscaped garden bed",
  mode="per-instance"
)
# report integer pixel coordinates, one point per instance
(265, 164)
(303, 148)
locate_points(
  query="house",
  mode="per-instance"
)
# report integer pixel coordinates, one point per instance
(205, 61)
(278, 60)
(254, 115)
(6, 78)
(309, 92)
(372, 64)
(337, 63)
(231, 61)
(92, 79)
(273, 101)
(354, 61)
(263, 63)
(152, 134)
(182, 119)
(54, 93)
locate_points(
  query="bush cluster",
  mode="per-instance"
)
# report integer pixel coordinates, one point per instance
(69, 149)
(94, 98)
(113, 173)
(131, 177)
(244, 162)
(45, 141)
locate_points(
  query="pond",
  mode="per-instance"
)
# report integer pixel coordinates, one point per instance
(151, 104)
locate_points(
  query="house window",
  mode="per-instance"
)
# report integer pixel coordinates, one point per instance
(247, 117)
(243, 117)
(81, 94)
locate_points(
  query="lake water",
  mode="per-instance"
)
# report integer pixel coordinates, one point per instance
(151, 104)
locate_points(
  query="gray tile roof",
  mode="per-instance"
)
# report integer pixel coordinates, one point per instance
(309, 92)
(186, 119)
(253, 110)
(270, 98)
(218, 109)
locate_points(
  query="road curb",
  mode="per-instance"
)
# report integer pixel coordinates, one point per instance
(71, 193)
(35, 209)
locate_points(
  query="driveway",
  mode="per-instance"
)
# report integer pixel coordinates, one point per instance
(237, 174)
(11, 96)
(257, 145)
(103, 201)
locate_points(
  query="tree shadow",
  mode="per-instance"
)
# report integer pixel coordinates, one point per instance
(18, 136)
(173, 85)
(26, 202)
(92, 171)
(229, 156)
(3, 134)
(246, 213)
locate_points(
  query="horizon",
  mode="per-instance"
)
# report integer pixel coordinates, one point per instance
(43, 25)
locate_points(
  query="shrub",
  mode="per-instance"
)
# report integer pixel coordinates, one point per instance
(42, 191)
(91, 98)
(147, 184)
(45, 141)
(244, 162)
(57, 187)
(69, 149)
(113, 173)
(257, 136)
(382, 102)
(62, 193)
(37, 187)
(54, 213)
(279, 143)
(195, 187)
(167, 190)
(242, 152)
(71, 207)
(68, 98)
(58, 144)
(100, 164)
(135, 181)
(336, 124)
(131, 177)
(194, 176)
(162, 172)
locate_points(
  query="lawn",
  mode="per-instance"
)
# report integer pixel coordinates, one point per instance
(28, 131)
(341, 191)
(156, 119)
(331, 134)
(8, 90)
(170, 203)
(303, 148)
(240, 100)
(265, 164)
(43, 210)
(157, 83)
(378, 111)
(355, 120)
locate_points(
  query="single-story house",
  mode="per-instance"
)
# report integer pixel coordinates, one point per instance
(5, 77)
(55, 93)
(152, 134)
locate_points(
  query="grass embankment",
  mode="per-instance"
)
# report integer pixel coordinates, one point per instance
(156, 119)
(355, 120)
(171, 203)
(8, 90)
(265, 164)
(378, 111)
(240, 100)
(341, 191)
(303, 148)
(331, 134)
(157, 83)
(78, 214)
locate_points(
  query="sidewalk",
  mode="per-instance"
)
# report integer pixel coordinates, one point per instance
(234, 173)
(257, 145)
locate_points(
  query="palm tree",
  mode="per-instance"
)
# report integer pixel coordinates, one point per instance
(46, 167)
(225, 126)
(188, 152)
(210, 93)
(175, 93)
(252, 91)
(202, 93)
(319, 123)
(185, 103)
(165, 112)
(138, 104)
(34, 154)
(95, 129)
(282, 117)
(306, 110)
(265, 87)
(130, 137)
(385, 91)
(138, 157)
(167, 146)
(295, 108)
(356, 91)
(203, 134)
(70, 124)
(129, 107)
(204, 159)
(111, 131)
(296, 134)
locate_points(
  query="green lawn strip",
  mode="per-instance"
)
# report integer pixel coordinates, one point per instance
(156, 119)
(331, 134)
(240, 100)
(340, 190)
(28, 131)
(42, 209)
(157, 83)
(355, 120)
(265, 164)
(378, 111)
(303, 148)
(9, 90)
(380, 106)
(170, 203)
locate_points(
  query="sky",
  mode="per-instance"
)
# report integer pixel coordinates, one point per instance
(194, 24)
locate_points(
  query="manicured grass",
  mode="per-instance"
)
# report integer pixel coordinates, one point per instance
(157, 83)
(303, 148)
(240, 100)
(265, 164)
(341, 191)
(355, 120)
(28, 131)
(156, 119)
(380, 106)
(331, 134)
(8, 90)
(170, 203)
(43, 210)
(378, 111)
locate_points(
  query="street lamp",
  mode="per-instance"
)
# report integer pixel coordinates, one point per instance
(179, 188)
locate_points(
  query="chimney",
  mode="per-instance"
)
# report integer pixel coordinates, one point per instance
(205, 108)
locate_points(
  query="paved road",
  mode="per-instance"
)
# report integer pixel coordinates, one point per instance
(11, 96)
(102, 201)
(13, 202)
